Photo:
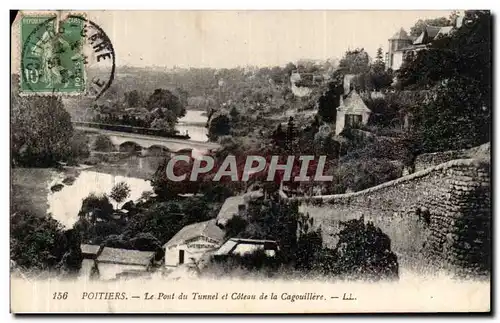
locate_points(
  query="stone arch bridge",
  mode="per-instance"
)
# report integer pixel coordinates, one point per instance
(129, 141)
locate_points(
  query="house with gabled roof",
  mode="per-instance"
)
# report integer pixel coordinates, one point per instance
(191, 242)
(114, 262)
(401, 43)
(352, 112)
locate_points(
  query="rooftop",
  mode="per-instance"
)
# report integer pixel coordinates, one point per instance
(230, 206)
(400, 35)
(207, 229)
(90, 249)
(353, 104)
(242, 246)
(125, 256)
(430, 33)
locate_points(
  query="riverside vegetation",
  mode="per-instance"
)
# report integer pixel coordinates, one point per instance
(445, 88)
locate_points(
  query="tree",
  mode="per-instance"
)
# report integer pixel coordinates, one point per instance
(278, 75)
(330, 100)
(289, 68)
(96, 207)
(378, 64)
(376, 78)
(132, 98)
(278, 137)
(234, 113)
(163, 124)
(164, 105)
(165, 188)
(379, 58)
(161, 220)
(420, 25)
(235, 226)
(41, 243)
(103, 143)
(219, 125)
(273, 219)
(455, 71)
(324, 143)
(455, 117)
(41, 131)
(291, 136)
(120, 192)
(363, 250)
(355, 62)
(79, 146)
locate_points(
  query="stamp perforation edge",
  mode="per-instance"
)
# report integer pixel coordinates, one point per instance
(60, 15)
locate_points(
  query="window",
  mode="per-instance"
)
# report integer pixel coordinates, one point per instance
(181, 257)
(352, 121)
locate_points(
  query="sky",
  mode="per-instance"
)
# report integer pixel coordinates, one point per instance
(238, 38)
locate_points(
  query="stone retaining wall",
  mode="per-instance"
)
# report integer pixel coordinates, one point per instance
(425, 161)
(438, 217)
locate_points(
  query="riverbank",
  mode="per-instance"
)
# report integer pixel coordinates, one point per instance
(60, 191)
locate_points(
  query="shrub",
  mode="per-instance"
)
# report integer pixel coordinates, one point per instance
(364, 251)
(120, 192)
(235, 226)
(41, 242)
(103, 143)
(241, 265)
(78, 146)
(361, 174)
(41, 130)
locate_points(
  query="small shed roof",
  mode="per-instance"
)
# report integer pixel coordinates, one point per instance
(232, 244)
(90, 249)
(125, 256)
(231, 204)
(230, 207)
(207, 229)
(353, 104)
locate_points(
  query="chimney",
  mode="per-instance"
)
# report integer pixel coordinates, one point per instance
(347, 83)
(459, 21)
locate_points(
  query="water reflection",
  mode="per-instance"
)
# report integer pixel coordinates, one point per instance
(194, 116)
(197, 133)
(194, 124)
(65, 204)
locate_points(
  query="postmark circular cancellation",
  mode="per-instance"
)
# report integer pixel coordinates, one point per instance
(69, 56)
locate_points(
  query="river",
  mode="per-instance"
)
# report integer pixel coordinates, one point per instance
(31, 187)
(194, 124)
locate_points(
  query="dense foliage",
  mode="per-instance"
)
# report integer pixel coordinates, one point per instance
(41, 130)
(146, 225)
(41, 243)
(457, 72)
(420, 25)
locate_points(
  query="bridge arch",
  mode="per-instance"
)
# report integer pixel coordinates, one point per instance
(156, 150)
(184, 151)
(130, 147)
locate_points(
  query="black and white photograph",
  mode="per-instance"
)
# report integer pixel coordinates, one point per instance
(250, 161)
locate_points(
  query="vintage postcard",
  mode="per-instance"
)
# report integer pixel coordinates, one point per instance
(250, 161)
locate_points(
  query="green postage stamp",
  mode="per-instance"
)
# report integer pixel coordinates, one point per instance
(52, 59)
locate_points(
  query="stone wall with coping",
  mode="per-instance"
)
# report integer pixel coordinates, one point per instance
(439, 217)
